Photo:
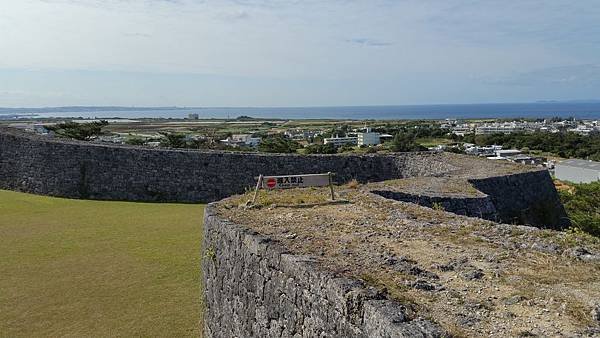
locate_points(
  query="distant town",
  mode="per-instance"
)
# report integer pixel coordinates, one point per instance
(554, 139)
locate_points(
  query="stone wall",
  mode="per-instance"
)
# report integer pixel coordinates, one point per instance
(43, 165)
(522, 198)
(58, 167)
(481, 207)
(253, 288)
(525, 198)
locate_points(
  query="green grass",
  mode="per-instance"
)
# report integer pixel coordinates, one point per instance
(98, 269)
(432, 142)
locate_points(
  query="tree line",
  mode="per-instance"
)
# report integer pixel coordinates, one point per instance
(564, 144)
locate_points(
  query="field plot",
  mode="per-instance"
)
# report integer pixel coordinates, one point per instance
(92, 268)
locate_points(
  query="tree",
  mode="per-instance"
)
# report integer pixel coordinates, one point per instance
(321, 149)
(563, 144)
(172, 140)
(79, 131)
(346, 148)
(278, 144)
(456, 150)
(370, 150)
(404, 142)
(135, 141)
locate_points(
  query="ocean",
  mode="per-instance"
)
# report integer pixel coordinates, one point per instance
(579, 110)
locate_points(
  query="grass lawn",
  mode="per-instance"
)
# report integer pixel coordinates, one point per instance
(432, 141)
(98, 269)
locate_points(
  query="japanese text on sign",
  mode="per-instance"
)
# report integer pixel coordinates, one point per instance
(295, 181)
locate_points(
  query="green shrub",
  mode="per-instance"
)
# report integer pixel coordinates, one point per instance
(172, 140)
(135, 141)
(346, 148)
(278, 144)
(583, 206)
(406, 141)
(437, 206)
(320, 149)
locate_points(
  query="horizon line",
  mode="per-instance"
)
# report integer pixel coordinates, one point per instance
(597, 101)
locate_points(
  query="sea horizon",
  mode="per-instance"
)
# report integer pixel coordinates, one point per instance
(545, 109)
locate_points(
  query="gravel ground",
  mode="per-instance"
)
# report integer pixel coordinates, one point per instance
(473, 277)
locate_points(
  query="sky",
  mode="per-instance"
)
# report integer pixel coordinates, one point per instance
(296, 53)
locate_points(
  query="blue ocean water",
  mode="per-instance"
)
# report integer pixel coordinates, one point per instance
(579, 110)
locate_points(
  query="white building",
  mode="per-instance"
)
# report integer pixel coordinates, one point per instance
(472, 149)
(338, 141)
(462, 130)
(577, 171)
(299, 134)
(507, 152)
(585, 129)
(238, 140)
(499, 128)
(386, 137)
(438, 148)
(368, 138)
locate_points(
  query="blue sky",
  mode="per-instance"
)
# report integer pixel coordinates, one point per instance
(296, 53)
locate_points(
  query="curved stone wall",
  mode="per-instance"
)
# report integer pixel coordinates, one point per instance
(525, 198)
(254, 288)
(521, 198)
(481, 207)
(57, 167)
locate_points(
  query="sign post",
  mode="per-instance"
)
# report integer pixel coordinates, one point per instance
(258, 184)
(331, 186)
(294, 181)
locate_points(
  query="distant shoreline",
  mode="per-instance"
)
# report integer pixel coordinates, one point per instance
(580, 110)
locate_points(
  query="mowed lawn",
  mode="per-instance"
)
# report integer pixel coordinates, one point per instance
(98, 269)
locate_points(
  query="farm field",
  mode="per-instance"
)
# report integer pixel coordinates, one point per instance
(94, 268)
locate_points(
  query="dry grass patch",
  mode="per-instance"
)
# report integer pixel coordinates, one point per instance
(288, 197)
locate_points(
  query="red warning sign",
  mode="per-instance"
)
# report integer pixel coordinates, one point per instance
(271, 183)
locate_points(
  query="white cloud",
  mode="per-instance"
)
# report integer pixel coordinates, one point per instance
(364, 41)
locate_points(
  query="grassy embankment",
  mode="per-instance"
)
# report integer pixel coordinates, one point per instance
(91, 268)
